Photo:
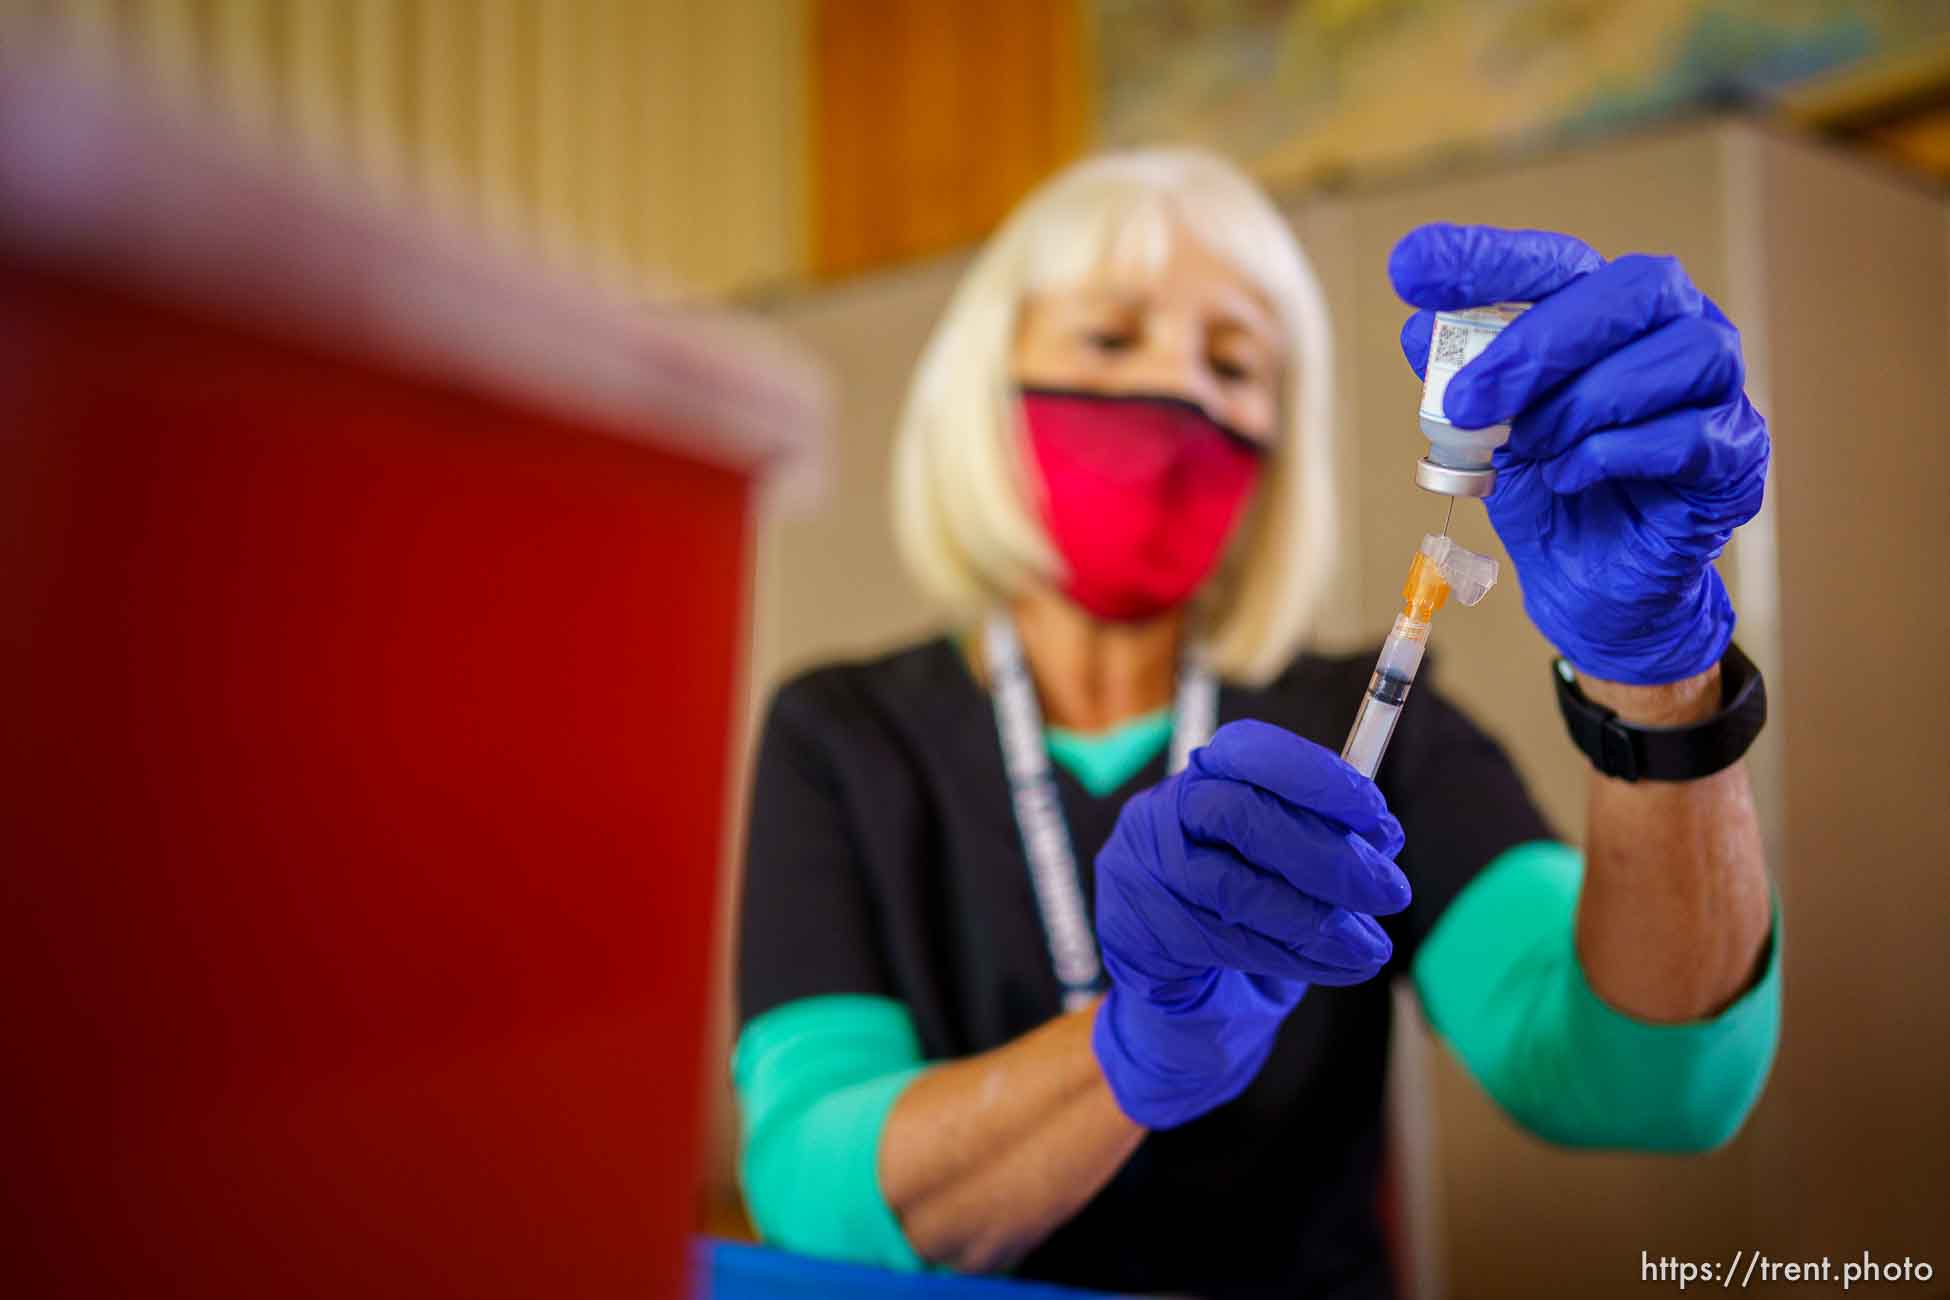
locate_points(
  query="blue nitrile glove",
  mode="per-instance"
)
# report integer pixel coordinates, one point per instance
(1224, 891)
(1633, 453)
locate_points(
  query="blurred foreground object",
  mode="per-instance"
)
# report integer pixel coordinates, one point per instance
(370, 617)
(728, 1270)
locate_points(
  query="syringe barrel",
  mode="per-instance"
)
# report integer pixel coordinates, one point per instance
(1401, 653)
(1388, 687)
(1368, 739)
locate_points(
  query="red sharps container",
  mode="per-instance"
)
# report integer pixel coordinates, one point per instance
(371, 618)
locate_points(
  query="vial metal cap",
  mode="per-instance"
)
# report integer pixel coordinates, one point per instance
(1431, 477)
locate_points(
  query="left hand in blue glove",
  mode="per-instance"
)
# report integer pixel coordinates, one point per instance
(1633, 452)
(1223, 893)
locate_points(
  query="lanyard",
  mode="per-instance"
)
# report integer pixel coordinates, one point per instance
(1046, 838)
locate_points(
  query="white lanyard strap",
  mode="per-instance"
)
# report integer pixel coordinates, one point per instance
(1046, 838)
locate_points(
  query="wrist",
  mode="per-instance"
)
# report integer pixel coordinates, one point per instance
(1669, 704)
(1680, 730)
(1165, 1068)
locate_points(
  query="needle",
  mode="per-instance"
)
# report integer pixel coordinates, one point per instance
(1448, 515)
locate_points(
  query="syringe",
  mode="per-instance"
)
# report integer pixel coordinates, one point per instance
(1440, 568)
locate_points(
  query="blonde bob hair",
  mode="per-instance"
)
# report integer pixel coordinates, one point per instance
(964, 490)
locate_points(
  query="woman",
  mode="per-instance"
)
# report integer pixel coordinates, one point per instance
(1114, 469)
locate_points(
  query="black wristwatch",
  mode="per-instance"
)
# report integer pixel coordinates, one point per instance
(1617, 748)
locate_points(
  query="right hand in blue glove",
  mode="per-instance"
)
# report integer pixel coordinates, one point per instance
(1223, 893)
(1633, 451)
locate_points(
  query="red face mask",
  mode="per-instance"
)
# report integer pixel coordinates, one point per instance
(1140, 494)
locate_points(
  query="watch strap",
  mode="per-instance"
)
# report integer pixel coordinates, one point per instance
(1684, 753)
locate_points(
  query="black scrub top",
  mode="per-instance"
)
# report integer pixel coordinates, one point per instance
(884, 859)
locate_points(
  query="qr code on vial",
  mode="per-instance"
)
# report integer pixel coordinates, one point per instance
(1449, 345)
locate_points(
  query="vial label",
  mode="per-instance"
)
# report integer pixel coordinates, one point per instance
(1459, 338)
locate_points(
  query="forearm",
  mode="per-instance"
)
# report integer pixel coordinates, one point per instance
(983, 1158)
(1503, 985)
(1674, 913)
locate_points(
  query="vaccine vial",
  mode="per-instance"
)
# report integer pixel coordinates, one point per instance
(1458, 463)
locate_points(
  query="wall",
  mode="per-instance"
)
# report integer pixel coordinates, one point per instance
(728, 147)
(639, 141)
(933, 119)
(1859, 316)
(1849, 1147)
(1316, 93)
